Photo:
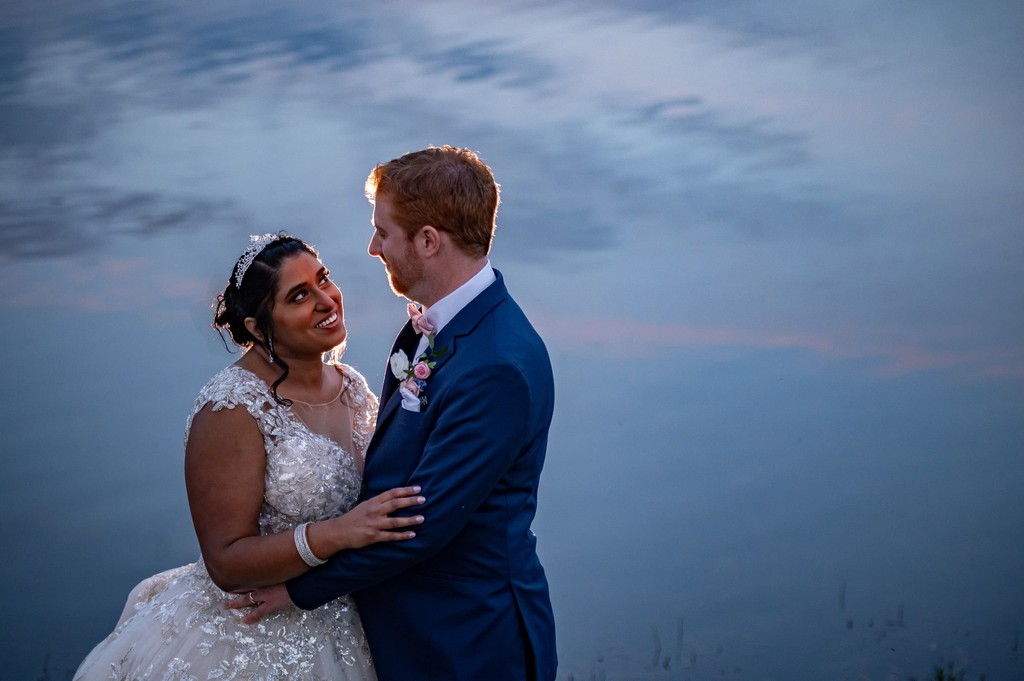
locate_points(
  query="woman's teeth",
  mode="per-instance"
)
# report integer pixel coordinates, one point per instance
(329, 320)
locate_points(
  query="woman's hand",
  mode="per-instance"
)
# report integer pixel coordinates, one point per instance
(367, 523)
(264, 602)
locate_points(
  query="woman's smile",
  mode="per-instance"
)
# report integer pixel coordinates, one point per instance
(330, 322)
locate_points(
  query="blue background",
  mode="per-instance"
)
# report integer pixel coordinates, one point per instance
(775, 250)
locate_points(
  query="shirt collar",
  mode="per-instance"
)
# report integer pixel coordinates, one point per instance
(444, 310)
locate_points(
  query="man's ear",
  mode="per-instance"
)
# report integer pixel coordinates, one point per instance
(250, 325)
(429, 240)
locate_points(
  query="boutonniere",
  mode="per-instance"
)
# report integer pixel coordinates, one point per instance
(412, 376)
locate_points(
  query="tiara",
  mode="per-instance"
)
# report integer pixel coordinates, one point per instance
(257, 242)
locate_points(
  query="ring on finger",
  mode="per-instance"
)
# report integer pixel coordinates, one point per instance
(253, 600)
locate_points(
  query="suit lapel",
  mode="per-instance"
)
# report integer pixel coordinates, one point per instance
(406, 342)
(461, 325)
(468, 318)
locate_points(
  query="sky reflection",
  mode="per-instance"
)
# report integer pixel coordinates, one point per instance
(776, 253)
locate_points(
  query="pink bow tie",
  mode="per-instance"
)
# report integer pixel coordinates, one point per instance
(419, 321)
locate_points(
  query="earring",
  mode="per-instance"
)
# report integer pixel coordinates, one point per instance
(270, 350)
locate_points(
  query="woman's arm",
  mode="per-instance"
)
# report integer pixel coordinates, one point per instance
(225, 463)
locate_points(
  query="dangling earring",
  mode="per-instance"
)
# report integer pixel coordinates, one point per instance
(270, 350)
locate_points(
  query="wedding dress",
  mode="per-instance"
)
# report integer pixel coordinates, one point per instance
(176, 625)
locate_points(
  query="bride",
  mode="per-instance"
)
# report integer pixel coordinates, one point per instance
(274, 451)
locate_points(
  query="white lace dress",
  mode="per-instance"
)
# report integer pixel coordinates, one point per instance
(176, 626)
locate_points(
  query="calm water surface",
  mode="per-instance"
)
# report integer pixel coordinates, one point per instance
(776, 253)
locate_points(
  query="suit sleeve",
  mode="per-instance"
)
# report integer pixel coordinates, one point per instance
(484, 423)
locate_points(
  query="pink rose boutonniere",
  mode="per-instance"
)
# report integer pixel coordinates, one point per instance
(413, 375)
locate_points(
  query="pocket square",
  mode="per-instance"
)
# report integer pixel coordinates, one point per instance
(410, 402)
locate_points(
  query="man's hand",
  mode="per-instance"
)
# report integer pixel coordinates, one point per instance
(264, 602)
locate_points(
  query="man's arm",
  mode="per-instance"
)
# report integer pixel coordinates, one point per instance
(483, 426)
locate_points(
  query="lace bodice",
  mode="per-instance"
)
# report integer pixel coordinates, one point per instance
(308, 476)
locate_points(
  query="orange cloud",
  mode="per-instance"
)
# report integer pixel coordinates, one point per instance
(103, 286)
(632, 338)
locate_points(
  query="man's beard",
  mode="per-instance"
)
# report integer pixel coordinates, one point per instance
(403, 279)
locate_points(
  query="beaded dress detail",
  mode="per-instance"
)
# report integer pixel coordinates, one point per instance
(176, 626)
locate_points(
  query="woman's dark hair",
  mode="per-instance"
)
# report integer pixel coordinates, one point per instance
(254, 297)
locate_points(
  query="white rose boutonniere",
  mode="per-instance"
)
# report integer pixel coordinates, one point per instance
(399, 365)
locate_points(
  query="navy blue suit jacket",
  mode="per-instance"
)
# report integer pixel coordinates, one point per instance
(467, 598)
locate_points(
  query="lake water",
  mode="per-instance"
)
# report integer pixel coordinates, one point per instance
(776, 254)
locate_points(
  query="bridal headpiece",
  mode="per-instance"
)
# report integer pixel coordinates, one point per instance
(257, 242)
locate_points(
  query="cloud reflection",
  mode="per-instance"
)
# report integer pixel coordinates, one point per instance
(83, 221)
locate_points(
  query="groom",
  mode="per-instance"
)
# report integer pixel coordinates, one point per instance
(467, 598)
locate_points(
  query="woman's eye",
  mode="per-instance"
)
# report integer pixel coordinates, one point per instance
(326, 278)
(299, 296)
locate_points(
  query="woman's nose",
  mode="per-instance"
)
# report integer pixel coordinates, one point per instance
(323, 298)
